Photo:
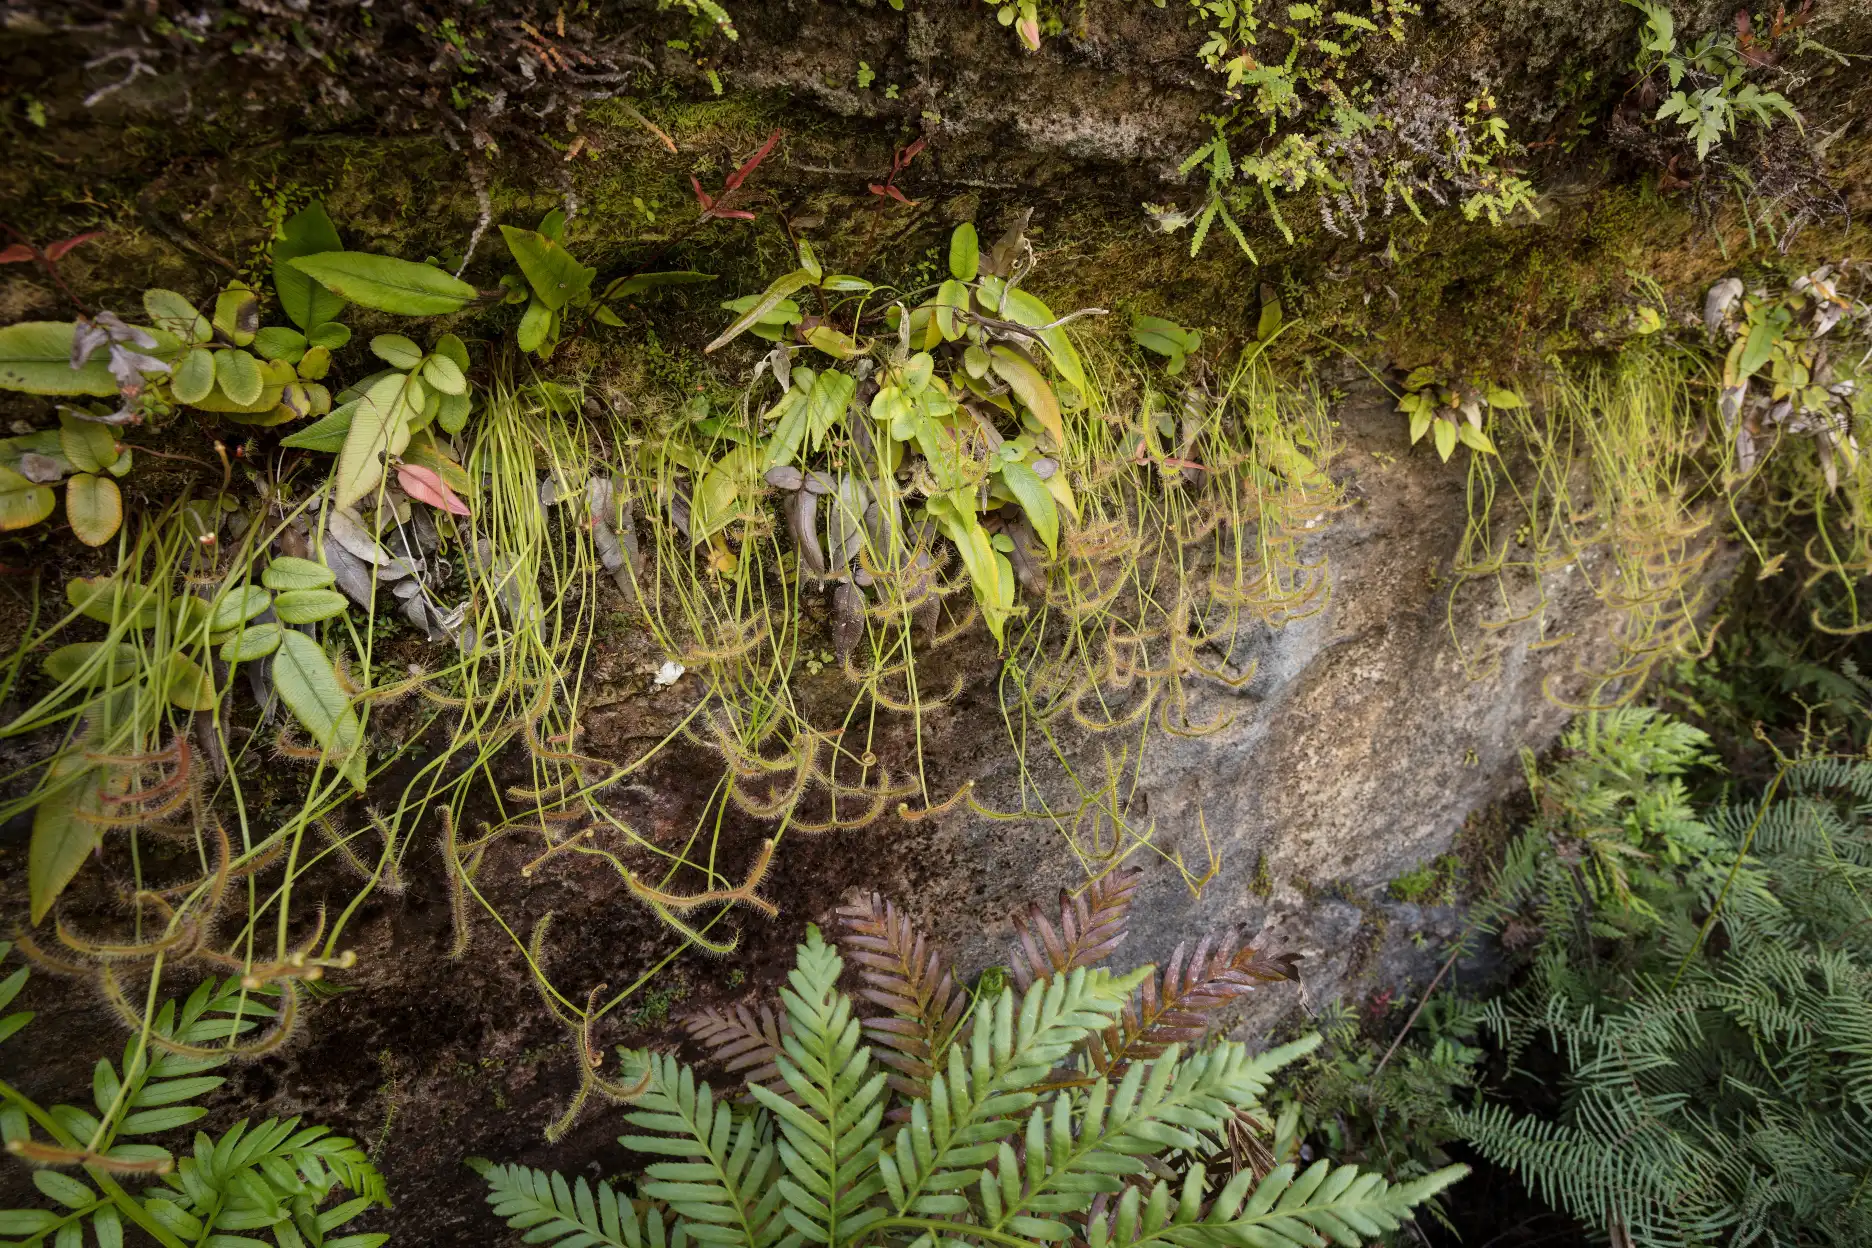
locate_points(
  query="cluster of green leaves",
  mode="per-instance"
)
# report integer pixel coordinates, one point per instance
(269, 1179)
(116, 696)
(1297, 113)
(996, 1150)
(966, 421)
(1710, 1013)
(86, 456)
(1708, 81)
(553, 284)
(1453, 413)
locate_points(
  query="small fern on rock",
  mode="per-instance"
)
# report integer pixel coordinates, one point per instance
(985, 1120)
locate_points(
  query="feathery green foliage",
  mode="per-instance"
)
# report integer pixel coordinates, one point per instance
(269, 1179)
(998, 1152)
(1711, 1002)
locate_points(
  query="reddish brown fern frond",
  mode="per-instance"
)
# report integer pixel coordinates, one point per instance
(904, 974)
(742, 1042)
(1174, 1011)
(1091, 925)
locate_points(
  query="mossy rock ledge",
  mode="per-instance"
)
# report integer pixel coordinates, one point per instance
(1378, 732)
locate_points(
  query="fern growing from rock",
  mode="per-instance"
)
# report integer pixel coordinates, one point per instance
(1008, 1134)
(1711, 1014)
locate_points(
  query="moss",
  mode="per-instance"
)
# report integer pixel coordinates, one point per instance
(1430, 883)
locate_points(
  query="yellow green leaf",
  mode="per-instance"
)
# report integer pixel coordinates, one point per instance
(95, 508)
(1031, 389)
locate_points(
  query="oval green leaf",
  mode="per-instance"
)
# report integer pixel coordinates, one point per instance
(194, 376)
(173, 312)
(396, 351)
(188, 686)
(308, 606)
(306, 303)
(445, 375)
(964, 253)
(289, 572)
(239, 375)
(23, 503)
(251, 643)
(309, 686)
(94, 506)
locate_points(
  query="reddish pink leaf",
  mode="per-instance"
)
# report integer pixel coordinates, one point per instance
(425, 485)
(752, 163)
(18, 253)
(729, 214)
(903, 158)
(57, 250)
(877, 189)
(700, 194)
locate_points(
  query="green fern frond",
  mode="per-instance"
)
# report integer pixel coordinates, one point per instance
(724, 1185)
(1322, 1204)
(829, 1142)
(951, 1136)
(271, 1177)
(563, 1215)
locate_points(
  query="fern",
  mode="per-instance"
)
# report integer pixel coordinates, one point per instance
(741, 1040)
(902, 972)
(1718, 1069)
(1019, 1141)
(554, 1212)
(271, 1179)
(1171, 1011)
(1091, 927)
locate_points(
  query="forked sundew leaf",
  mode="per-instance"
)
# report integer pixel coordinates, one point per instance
(239, 375)
(964, 253)
(188, 686)
(194, 376)
(386, 283)
(94, 506)
(308, 684)
(306, 303)
(288, 572)
(379, 427)
(254, 642)
(23, 503)
(1031, 493)
(35, 356)
(110, 662)
(67, 827)
(1031, 389)
(555, 276)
